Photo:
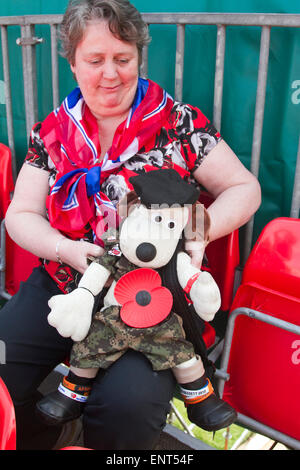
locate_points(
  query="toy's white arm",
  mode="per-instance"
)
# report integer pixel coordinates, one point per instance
(71, 314)
(204, 292)
(94, 278)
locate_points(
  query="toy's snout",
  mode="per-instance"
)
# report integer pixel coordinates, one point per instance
(146, 252)
(149, 237)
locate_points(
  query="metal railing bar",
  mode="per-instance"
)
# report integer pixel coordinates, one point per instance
(235, 19)
(144, 65)
(265, 430)
(179, 63)
(54, 66)
(30, 81)
(260, 98)
(181, 419)
(8, 98)
(24, 20)
(295, 207)
(258, 122)
(219, 76)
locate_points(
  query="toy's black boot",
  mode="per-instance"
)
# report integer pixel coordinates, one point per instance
(204, 408)
(63, 405)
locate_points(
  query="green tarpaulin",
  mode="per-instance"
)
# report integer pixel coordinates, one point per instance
(282, 109)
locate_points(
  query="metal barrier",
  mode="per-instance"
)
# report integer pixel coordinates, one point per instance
(223, 375)
(28, 42)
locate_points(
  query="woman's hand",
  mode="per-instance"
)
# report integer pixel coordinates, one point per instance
(75, 253)
(195, 250)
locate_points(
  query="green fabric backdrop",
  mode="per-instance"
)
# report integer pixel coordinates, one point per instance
(282, 116)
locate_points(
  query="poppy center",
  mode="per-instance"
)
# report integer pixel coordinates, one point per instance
(143, 298)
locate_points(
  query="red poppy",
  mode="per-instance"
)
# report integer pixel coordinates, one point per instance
(144, 301)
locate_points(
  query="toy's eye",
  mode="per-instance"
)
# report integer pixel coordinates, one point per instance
(157, 218)
(171, 224)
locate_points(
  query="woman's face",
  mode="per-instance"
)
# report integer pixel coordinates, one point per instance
(106, 70)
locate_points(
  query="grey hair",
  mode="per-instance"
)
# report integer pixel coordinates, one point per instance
(124, 21)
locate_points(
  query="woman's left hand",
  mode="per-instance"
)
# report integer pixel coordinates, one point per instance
(195, 250)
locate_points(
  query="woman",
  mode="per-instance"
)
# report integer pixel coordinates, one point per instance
(77, 167)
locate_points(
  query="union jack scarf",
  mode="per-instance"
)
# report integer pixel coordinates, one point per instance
(70, 134)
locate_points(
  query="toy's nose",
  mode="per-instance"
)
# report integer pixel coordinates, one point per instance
(146, 252)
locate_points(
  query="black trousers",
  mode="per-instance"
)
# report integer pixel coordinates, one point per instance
(129, 401)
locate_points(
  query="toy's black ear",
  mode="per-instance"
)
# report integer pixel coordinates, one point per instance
(197, 228)
(126, 204)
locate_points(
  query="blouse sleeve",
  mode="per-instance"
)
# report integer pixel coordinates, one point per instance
(196, 134)
(37, 154)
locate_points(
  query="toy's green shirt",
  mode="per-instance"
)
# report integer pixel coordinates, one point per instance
(112, 259)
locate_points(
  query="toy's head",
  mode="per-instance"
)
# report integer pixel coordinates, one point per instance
(161, 209)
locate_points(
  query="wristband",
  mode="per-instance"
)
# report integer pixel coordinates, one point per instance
(57, 249)
(190, 282)
(85, 288)
(189, 285)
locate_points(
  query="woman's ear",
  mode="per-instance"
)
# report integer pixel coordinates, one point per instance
(126, 204)
(197, 228)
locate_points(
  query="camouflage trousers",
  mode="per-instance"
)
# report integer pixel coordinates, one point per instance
(109, 338)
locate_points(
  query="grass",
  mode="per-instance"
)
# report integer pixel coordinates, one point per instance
(219, 440)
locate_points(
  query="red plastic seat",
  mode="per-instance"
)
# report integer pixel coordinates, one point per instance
(264, 361)
(209, 335)
(223, 258)
(7, 420)
(19, 262)
(274, 262)
(75, 448)
(6, 177)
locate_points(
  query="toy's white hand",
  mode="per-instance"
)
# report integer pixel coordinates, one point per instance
(205, 296)
(71, 313)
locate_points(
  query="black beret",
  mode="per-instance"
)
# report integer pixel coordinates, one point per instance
(163, 186)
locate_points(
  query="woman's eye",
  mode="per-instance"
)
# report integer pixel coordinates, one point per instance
(123, 61)
(157, 218)
(171, 224)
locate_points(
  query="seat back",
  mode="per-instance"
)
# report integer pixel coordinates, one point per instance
(6, 179)
(274, 262)
(223, 259)
(7, 420)
(16, 262)
(264, 358)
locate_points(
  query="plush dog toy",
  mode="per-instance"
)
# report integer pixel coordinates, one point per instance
(137, 311)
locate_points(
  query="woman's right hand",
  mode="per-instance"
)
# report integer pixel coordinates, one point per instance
(75, 253)
(27, 224)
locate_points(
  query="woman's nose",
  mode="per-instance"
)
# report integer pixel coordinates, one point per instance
(109, 70)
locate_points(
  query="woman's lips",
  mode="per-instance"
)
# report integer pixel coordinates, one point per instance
(109, 88)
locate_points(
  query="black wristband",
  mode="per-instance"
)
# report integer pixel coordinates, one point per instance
(81, 287)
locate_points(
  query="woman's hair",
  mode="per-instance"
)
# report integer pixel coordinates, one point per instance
(124, 21)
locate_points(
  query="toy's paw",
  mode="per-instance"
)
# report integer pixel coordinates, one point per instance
(71, 314)
(205, 296)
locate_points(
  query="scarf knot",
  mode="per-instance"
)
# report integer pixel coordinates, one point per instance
(92, 180)
(70, 134)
